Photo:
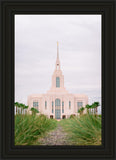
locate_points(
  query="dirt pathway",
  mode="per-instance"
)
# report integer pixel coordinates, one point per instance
(55, 137)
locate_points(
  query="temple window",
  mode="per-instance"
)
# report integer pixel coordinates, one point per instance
(79, 105)
(35, 104)
(69, 104)
(45, 104)
(57, 102)
(52, 109)
(62, 109)
(57, 82)
(62, 103)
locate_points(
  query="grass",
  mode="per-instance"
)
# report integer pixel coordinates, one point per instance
(85, 130)
(28, 128)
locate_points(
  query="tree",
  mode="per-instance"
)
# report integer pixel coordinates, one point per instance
(17, 104)
(88, 107)
(95, 105)
(34, 111)
(20, 105)
(26, 107)
(81, 110)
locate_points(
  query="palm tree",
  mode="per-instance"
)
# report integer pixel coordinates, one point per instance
(81, 110)
(95, 105)
(17, 105)
(22, 107)
(26, 107)
(34, 111)
(88, 107)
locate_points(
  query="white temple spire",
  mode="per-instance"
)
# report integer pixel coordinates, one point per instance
(57, 50)
(57, 60)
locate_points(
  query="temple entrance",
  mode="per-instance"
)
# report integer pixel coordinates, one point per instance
(51, 116)
(57, 109)
(63, 117)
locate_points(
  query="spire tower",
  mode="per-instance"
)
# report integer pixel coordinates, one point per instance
(57, 60)
(57, 50)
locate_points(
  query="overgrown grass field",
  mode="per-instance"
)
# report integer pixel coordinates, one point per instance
(85, 130)
(28, 128)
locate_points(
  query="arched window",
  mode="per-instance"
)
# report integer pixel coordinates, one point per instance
(57, 102)
(57, 109)
(45, 104)
(62, 107)
(52, 107)
(79, 105)
(36, 105)
(69, 104)
(57, 82)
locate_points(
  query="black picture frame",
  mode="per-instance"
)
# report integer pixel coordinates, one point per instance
(11, 7)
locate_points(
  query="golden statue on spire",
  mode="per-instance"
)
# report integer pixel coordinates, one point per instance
(57, 43)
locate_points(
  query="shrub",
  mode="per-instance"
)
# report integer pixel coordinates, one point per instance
(28, 128)
(85, 130)
(72, 115)
(34, 111)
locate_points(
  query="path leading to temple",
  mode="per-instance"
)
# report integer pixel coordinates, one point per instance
(55, 137)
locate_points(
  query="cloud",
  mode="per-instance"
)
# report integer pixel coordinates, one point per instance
(79, 39)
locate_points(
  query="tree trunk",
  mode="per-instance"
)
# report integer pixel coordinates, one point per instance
(96, 110)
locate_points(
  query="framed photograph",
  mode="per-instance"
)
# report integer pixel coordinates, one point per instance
(57, 79)
(32, 72)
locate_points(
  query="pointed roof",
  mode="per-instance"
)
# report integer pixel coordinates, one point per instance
(57, 50)
(57, 59)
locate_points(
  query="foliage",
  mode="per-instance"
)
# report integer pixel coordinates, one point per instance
(20, 105)
(28, 128)
(94, 106)
(85, 130)
(34, 111)
(81, 110)
(72, 115)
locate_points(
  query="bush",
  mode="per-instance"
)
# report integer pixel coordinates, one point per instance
(85, 130)
(72, 115)
(28, 128)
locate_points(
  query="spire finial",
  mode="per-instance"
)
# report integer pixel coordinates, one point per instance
(57, 43)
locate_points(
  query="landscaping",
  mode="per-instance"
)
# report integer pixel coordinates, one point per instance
(85, 130)
(29, 127)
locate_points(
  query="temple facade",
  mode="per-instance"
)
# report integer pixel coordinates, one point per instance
(57, 103)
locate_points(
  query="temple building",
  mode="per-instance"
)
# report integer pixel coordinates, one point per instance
(57, 103)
